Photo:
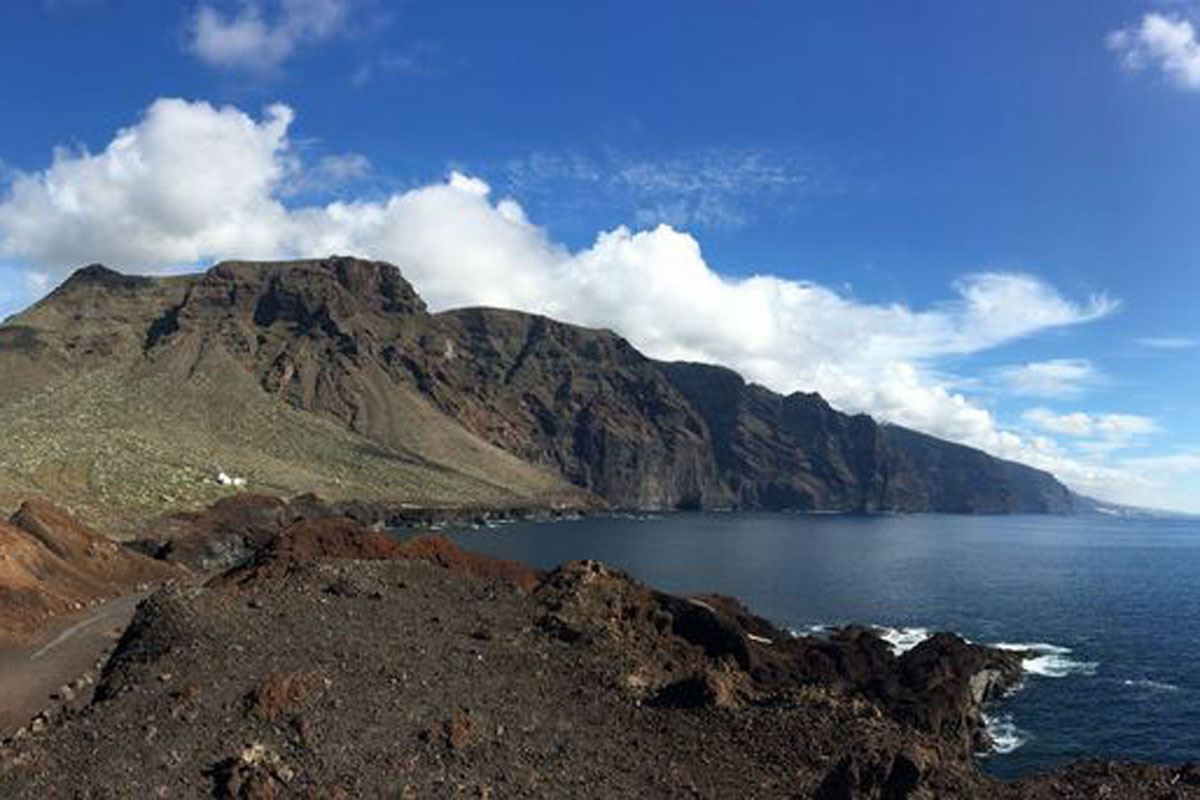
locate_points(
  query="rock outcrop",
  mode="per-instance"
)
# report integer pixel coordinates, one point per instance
(689, 652)
(51, 564)
(332, 376)
(423, 671)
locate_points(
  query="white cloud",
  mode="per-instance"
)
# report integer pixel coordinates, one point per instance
(1167, 43)
(253, 40)
(1109, 426)
(1077, 424)
(1169, 342)
(344, 167)
(1172, 463)
(1161, 481)
(1096, 435)
(191, 182)
(187, 181)
(1058, 377)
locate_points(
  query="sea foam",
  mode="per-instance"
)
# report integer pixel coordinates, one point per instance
(1149, 685)
(1004, 733)
(1049, 660)
(1043, 658)
(902, 640)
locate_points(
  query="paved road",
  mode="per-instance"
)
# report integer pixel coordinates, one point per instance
(31, 673)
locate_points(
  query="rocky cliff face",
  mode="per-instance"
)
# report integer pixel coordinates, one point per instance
(582, 402)
(797, 452)
(500, 399)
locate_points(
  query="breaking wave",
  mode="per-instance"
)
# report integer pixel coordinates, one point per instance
(902, 640)
(1050, 660)
(1004, 733)
(1042, 658)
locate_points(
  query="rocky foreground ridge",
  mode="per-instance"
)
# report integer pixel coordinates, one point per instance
(128, 394)
(51, 564)
(338, 662)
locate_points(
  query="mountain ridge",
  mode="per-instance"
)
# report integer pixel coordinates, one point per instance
(364, 393)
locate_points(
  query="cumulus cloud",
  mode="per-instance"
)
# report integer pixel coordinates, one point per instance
(1160, 42)
(191, 183)
(1058, 377)
(259, 39)
(189, 180)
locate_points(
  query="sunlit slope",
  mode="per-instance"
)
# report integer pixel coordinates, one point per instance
(129, 395)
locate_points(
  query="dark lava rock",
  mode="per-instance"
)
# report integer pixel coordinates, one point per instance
(589, 685)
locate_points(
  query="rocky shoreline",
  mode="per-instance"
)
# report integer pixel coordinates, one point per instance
(339, 662)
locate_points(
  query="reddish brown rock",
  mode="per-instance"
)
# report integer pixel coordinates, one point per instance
(341, 538)
(51, 563)
(282, 694)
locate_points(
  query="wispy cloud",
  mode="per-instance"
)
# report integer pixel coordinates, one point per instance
(1059, 377)
(1160, 42)
(259, 37)
(1184, 463)
(1169, 342)
(718, 187)
(418, 61)
(344, 167)
(325, 175)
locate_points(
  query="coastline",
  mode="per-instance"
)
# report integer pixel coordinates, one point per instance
(587, 629)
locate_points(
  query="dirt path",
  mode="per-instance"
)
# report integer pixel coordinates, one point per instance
(31, 673)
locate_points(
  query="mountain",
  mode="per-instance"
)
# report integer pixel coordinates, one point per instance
(133, 393)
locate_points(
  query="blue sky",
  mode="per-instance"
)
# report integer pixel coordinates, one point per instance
(974, 218)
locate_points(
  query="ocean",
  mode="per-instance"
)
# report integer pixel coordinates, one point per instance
(1110, 607)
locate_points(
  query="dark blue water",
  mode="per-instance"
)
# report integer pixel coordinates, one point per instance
(1116, 602)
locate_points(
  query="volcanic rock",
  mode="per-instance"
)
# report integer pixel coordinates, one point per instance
(52, 564)
(590, 685)
(332, 376)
